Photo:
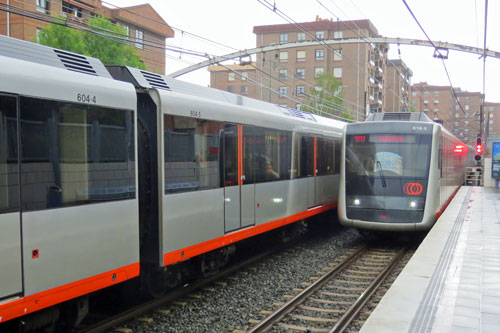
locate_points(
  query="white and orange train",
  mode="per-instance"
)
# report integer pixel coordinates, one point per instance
(399, 171)
(112, 174)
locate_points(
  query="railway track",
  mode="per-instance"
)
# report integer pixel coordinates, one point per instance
(333, 301)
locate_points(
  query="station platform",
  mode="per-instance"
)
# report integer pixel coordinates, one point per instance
(452, 282)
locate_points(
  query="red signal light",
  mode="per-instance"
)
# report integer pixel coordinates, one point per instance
(479, 148)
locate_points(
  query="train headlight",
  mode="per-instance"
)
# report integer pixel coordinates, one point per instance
(356, 202)
(413, 204)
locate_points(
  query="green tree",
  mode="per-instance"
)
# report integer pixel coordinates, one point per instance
(109, 51)
(326, 97)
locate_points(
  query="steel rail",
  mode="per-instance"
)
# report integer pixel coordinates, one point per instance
(354, 310)
(291, 305)
(171, 296)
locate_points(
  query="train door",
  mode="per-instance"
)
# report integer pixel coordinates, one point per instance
(308, 158)
(10, 216)
(231, 176)
(247, 161)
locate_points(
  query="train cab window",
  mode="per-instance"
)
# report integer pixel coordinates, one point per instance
(191, 154)
(73, 154)
(9, 168)
(261, 155)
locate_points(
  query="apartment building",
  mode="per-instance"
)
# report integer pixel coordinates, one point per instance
(435, 101)
(398, 86)
(144, 26)
(492, 119)
(239, 79)
(466, 115)
(460, 114)
(359, 67)
(286, 76)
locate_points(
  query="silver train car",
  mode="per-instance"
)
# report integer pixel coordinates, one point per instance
(399, 171)
(113, 174)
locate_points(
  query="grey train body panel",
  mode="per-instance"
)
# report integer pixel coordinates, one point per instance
(10, 255)
(78, 242)
(191, 218)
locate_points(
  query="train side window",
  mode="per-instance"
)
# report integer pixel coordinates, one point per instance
(338, 148)
(229, 165)
(191, 154)
(262, 155)
(73, 154)
(330, 157)
(285, 149)
(321, 158)
(306, 158)
(9, 168)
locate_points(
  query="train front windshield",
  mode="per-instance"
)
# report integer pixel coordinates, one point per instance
(386, 176)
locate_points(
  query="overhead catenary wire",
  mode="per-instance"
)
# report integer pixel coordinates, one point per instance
(110, 34)
(188, 33)
(437, 50)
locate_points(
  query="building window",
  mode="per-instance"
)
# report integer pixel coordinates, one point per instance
(69, 8)
(230, 76)
(127, 30)
(320, 54)
(426, 110)
(283, 91)
(298, 106)
(300, 90)
(283, 74)
(457, 123)
(457, 115)
(139, 39)
(337, 72)
(467, 115)
(467, 99)
(318, 71)
(492, 108)
(283, 38)
(426, 101)
(457, 107)
(414, 93)
(244, 90)
(301, 55)
(466, 122)
(426, 93)
(337, 55)
(338, 34)
(301, 36)
(436, 101)
(436, 110)
(436, 93)
(38, 30)
(466, 106)
(284, 56)
(42, 6)
(244, 76)
(320, 35)
(300, 73)
(230, 89)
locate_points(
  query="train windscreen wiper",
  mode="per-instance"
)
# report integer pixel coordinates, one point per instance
(379, 165)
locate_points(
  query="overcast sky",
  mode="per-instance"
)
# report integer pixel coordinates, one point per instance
(231, 22)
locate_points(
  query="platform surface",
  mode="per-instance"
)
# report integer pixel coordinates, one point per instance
(452, 282)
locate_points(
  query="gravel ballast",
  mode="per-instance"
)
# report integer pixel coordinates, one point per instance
(230, 307)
